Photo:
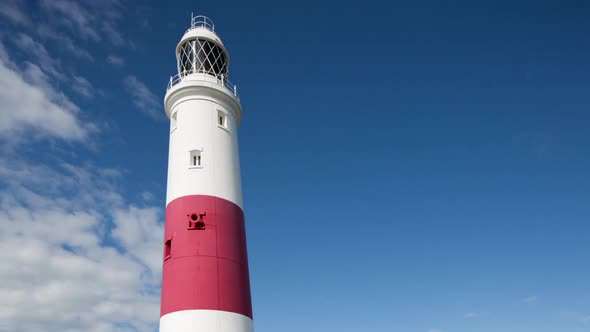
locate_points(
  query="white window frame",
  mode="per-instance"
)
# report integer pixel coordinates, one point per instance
(222, 113)
(196, 153)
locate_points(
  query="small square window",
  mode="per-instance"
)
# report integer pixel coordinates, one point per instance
(196, 160)
(221, 119)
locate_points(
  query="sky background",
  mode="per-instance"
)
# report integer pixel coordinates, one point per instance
(407, 166)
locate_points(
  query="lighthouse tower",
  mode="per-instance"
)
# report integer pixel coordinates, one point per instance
(205, 283)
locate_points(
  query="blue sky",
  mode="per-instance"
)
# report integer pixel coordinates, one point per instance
(406, 167)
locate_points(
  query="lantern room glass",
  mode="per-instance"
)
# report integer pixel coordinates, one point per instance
(202, 56)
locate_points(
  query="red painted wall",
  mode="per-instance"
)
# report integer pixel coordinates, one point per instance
(207, 268)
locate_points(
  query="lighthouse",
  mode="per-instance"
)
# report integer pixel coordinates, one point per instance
(205, 278)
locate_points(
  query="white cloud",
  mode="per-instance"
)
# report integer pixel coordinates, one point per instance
(139, 231)
(33, 109)
(37, 51)
(33, 75)
(48, 69)
(74, 254)
(112, 34)
(82, 86)
(47, 31)
(65, 22)
(471, 314)
(89, 20)
(12, 11)
(115, 60)
(585, 319)
(531, 299)
(147, 196)
(73, 16)
(143, 98)
(60, 268)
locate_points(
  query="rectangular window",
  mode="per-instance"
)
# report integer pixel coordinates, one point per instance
(168, 249)
(196, 159)
(221, 119)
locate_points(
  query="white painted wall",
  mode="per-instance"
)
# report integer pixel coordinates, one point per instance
(197, 129)
(205, 321)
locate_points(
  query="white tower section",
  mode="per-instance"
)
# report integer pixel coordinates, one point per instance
(205, 112)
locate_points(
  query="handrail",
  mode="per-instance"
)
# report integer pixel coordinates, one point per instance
(206, 78)
(201, 21)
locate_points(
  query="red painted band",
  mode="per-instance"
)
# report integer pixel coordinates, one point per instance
(207, 265)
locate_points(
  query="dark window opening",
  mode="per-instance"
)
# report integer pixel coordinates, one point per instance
(167, 249)
(221, 119)
(195, 161)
